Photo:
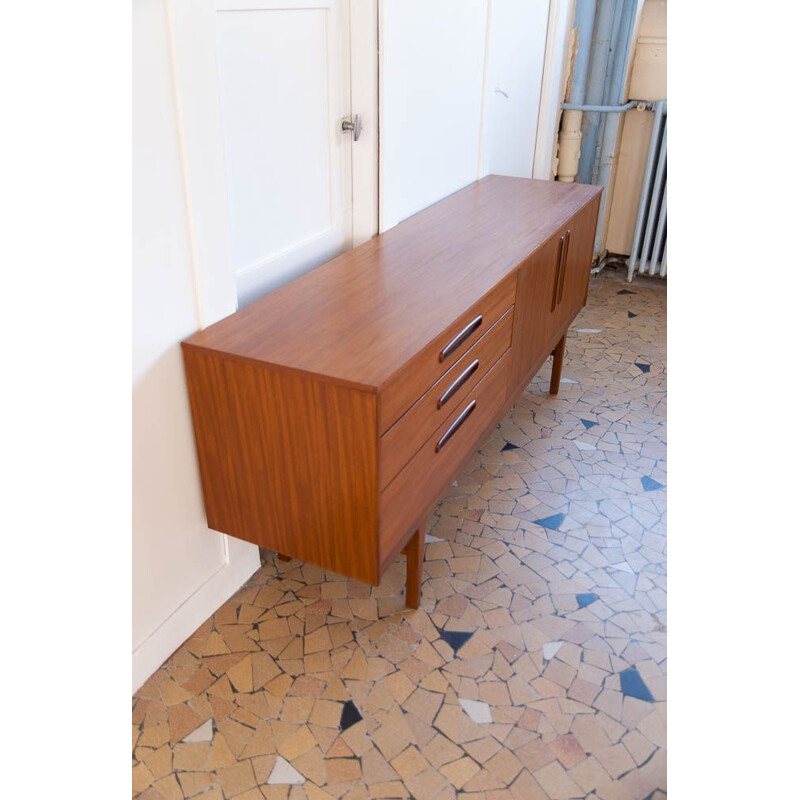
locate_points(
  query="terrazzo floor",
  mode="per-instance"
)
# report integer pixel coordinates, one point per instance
(536, 664)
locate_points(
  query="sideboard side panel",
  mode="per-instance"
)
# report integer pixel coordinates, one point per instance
(288, 462)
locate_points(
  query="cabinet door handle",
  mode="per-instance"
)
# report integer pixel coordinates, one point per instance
(459, 421)
(457, 383)
(460, 338)
(558, 273)
(564, 266)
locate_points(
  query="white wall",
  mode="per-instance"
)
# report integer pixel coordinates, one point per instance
(515, 57)
(431, 72)
(443, 125)
(182, 571)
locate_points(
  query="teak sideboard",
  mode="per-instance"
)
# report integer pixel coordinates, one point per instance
(331, 414)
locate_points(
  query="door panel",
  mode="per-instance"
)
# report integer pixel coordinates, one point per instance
(578, 262)
(543, 309)
(517, 38)
(535, 322)
(284, 82)
(432, 68)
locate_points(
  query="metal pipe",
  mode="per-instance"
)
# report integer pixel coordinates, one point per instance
(642, 105)
(584, 22)
(610, 95)
(569, 137)
(647, 181)
(616, 92)
(596, 87)
(601, 172)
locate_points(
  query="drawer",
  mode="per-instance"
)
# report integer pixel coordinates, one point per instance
(411, 431)
(418, 485)
(412, 380)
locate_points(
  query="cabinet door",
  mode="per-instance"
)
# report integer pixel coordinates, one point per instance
(535, 320)
(577, 264)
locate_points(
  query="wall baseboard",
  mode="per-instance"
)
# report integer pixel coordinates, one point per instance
(243, 561)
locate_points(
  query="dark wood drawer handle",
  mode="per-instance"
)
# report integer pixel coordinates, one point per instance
(458, 383)
(460, 420)
(564, 267)
(558, 274)
(460, 338)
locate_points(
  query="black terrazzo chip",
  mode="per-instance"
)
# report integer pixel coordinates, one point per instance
(456, 639)
(350, 716)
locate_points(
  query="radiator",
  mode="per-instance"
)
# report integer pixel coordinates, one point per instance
(649, 250)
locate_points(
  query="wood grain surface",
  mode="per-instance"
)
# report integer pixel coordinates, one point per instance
(418, 485)
(535, 322)
(578, 261)
(415, 556)
(317, 415)
(287, 462)
(412, 430)
(362, 316)
(420, 372)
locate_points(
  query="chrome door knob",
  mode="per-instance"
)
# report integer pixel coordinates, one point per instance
(354, 126)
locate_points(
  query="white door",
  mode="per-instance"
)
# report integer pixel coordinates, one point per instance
(266, 86)
(460, 95)
(284, 83)
(515, 51)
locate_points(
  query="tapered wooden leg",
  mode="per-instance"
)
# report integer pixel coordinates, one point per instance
(415, 553)
(558, 362)
(282, 557)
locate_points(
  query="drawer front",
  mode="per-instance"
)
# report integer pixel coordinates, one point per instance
(418, 485)
(422, 371)
(411, 431)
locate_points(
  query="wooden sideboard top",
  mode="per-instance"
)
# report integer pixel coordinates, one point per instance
(360, 317)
